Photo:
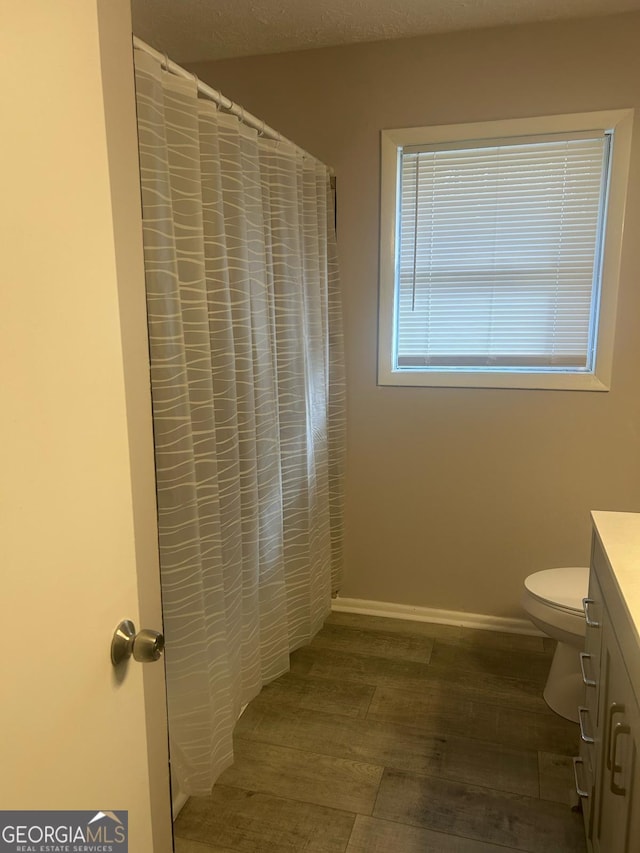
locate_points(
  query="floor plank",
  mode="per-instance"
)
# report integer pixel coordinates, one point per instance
(359, 669)
(436, 711)
(293, 690)
(247, 822)
(186, 845)
(309, 777)
(556, 778)
(482, 814)
(372, 835)
(499, 661)
(382, 644)
(506, 641)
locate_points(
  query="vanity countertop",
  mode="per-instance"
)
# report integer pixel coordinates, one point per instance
(619, 535)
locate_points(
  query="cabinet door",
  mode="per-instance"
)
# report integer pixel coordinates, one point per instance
(617, 822)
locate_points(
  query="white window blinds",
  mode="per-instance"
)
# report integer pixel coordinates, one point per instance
(498, 253)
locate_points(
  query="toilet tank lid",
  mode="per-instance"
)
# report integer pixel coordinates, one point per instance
(565, 587)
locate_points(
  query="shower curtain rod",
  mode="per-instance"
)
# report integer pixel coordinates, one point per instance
(222, 101)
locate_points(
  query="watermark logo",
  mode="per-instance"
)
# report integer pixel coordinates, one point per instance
(64, 832)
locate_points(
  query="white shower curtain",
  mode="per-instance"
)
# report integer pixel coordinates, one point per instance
(248, 403)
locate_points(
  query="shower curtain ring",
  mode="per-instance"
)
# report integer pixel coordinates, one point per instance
(261, 131)
(165, 63)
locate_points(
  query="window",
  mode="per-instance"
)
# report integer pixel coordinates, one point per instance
(500, 246)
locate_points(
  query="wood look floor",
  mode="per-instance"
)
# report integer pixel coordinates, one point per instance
(390, 736)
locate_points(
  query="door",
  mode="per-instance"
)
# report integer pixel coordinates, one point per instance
(78, 541)
(617, 825)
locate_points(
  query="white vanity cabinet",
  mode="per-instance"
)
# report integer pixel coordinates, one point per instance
(608, 768)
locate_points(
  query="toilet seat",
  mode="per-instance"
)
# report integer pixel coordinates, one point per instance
(552, 599)
(563, 589)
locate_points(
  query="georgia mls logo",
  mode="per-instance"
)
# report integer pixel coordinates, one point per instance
(64, 832)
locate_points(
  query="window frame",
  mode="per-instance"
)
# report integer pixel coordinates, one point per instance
(392, 141)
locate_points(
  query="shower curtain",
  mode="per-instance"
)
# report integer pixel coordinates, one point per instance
(248, 406)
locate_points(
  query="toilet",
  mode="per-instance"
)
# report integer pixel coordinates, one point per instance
(552, 600)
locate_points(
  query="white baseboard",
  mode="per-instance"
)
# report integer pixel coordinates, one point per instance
(431, 614)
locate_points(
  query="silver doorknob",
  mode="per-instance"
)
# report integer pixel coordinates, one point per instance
(145, 646)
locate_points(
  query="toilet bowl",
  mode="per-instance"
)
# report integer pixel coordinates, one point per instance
(552, 600)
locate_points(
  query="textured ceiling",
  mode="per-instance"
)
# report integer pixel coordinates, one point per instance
(193, 30)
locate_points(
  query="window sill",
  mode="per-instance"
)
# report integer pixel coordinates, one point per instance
(480, 379)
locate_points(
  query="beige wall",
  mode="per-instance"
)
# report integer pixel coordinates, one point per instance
(454, 496)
